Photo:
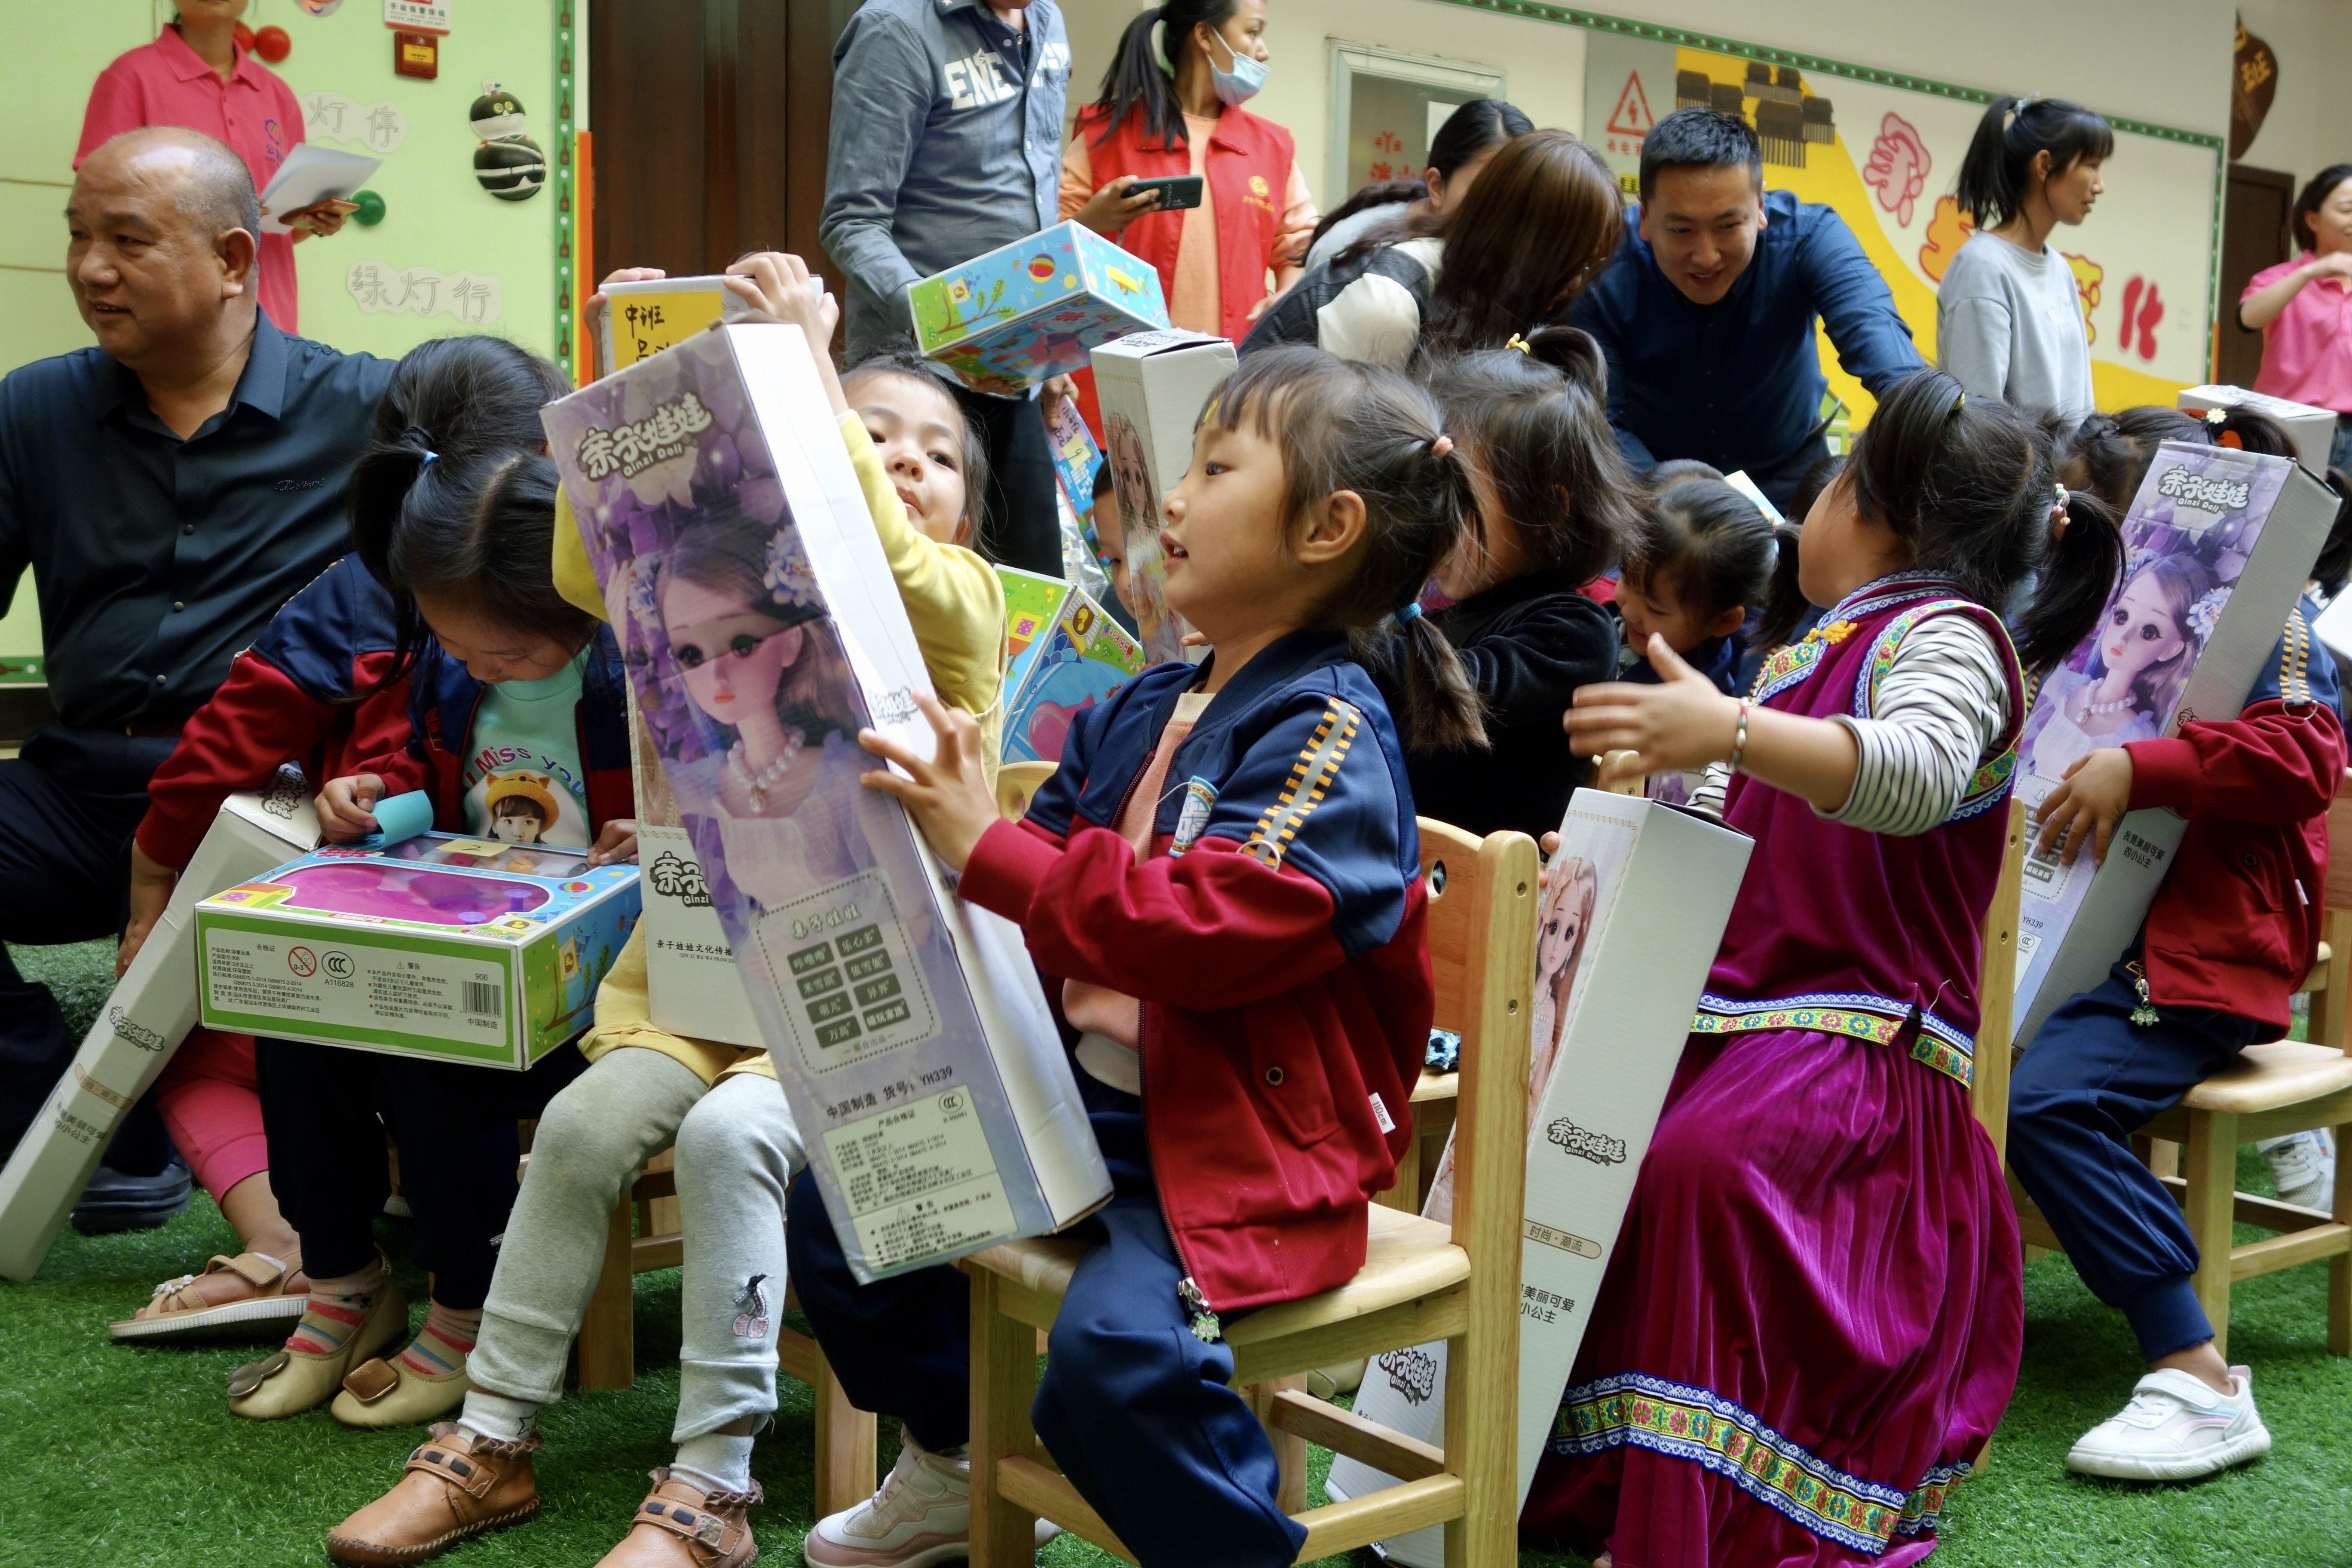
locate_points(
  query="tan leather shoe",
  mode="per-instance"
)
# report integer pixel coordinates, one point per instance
(292, 1381)
(456, 1486)
(251, 1291)
(680, 1525)
(386, 1394)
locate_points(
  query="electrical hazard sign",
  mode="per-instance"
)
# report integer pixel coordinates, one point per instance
(1632, 117)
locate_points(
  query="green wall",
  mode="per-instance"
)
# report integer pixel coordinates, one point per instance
(436, 217)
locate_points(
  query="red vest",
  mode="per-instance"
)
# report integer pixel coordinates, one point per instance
(1248, 170)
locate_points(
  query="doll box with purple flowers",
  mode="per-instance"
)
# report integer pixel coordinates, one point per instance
(762, 630)
(2218, 545)
(443, 946)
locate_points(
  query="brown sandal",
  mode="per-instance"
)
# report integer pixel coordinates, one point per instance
(456, 1487)
(680, 1525)
(270, 1292)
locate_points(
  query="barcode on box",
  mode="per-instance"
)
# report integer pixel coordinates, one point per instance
(482, 998)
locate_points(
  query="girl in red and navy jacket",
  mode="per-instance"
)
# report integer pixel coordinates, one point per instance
(1222, 885)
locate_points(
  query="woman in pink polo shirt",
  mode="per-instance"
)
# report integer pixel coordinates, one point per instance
(195, 76)
(2303, 308)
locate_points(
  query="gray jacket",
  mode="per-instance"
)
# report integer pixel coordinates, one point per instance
(937, 154)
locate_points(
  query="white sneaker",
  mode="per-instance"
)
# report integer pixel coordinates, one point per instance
(921, 1516)
(2303, 1168)
(2174, 1429)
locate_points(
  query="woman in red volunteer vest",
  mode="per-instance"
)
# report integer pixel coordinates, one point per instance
(1173, 107)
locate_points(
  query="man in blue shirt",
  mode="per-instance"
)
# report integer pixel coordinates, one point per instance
(1706, 315)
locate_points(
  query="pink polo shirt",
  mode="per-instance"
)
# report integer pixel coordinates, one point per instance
(2307, 347)
(165, 83)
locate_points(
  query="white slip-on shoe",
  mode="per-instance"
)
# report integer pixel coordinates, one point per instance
(921, 1516)
(2303, 1168)
(2174, 1429)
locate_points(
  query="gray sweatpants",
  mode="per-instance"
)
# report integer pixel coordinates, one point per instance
(738, 1150)
(593, 1141)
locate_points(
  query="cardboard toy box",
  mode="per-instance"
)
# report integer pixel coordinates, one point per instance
(1029, 312)
(762, 630)
(441, 946)
(1634, 908)
(1066, 654)
(638, 320)
(1152, 387)
(146, 1017)
(2219, 544)
(2314, 429)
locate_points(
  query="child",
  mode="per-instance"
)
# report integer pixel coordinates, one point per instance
(935, 457)
(1110, 544)
(1321, 495)
(447, 532)
(642, 1083)
(1701, 558)
(2232, 932)
(1552, 511)
(1811, 1322)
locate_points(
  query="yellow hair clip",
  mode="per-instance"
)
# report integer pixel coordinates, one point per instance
(1520, 343)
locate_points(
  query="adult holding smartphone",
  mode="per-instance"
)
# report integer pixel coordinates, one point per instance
(1172, 105)
(2302, 309)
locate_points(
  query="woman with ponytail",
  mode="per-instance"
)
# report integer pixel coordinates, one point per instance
(1171, 104)
(2009, 318)
(1818, 1183)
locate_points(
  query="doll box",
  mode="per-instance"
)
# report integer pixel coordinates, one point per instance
(444, 947)
(692, 986)
(763, 631)
(1152, 387)
(2314, 429)
(1066, 654)
(638, 320)
(1633, 909)
(1029, 312)
(149, 1013)
(2218, 542)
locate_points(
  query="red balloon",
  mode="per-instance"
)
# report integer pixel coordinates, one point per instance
(272, 44)
(244, 35)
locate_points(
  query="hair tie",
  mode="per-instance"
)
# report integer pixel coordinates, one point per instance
(1522, 345)
(1406, 616)
(431, 458)
(2231, 439)
(1439, 445)
(2058, 506)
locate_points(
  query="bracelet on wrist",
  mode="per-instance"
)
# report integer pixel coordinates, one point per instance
(1739, 735)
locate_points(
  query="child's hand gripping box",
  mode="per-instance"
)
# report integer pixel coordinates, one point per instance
(1152, 387)
(1028, 312)
(763, 631)
(1066, 654)
(1634, 906)
(2314, 429)
(2218, 545)
(637, 320)
(149, 1013)
(448, 948)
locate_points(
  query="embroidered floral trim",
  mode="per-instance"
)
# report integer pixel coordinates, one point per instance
(1790, 663)
(1694, 1424)
(1857, 1015)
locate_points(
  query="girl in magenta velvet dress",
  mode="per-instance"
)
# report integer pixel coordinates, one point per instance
(1811, 1323)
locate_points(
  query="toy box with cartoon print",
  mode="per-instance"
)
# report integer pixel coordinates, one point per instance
(2219, 545)
(1031, 311)
(457, 949)
(1065, 656)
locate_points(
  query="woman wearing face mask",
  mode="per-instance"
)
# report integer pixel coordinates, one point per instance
(1171, 105)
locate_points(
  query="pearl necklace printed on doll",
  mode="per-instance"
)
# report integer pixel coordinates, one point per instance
(758, 784)
(2093, 710)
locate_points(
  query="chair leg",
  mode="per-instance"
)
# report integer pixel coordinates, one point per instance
(608, 1331)
(2339, 1268)
(1003, 1384)
(1482, 1446)
(845, 1439)
(1289, 1448)
(2211, 1169)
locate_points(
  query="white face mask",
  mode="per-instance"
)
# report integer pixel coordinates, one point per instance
(1239, 85)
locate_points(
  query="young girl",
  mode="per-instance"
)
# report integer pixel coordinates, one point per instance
(2008, 318)
(936, 463)
(1811, 1322)
(732, 1163)
(450, 530)
(1551, 513)
(1320, 497)
(1701, 557)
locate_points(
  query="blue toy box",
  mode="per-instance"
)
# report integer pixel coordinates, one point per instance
(1029, 312)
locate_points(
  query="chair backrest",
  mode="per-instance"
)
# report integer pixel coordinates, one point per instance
(1016, 783)
(2330, 1005)
(1997, 989)
(1482, 957)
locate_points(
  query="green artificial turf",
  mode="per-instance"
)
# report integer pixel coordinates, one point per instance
(112, 1457)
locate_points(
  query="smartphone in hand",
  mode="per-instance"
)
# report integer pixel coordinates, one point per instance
(1175, 190)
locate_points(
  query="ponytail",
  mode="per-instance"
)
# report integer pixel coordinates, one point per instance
(1342, 425)
(2077, 575)
(1142, 75)
(1994, 175)
(1784, 601)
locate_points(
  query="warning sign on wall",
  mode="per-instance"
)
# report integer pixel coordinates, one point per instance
(1631, 81)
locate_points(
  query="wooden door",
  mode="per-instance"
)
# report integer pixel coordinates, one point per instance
(2254, 235)
(709, 118)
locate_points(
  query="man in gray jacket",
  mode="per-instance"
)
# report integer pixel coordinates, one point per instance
(947, 144)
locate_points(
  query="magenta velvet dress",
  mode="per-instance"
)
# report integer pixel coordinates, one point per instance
(1811, 1322)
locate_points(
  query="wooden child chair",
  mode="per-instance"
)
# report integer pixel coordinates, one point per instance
(1421, 1281)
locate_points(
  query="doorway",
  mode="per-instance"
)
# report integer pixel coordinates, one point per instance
(2254, 235)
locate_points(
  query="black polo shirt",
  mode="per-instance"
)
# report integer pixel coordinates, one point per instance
(158, 560)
